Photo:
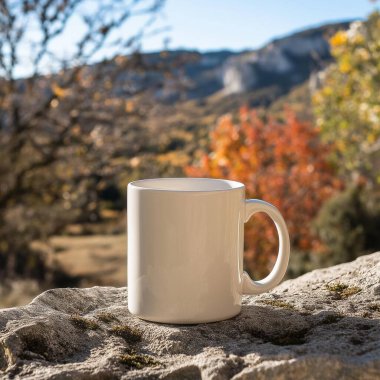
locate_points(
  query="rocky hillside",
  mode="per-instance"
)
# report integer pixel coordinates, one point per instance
(284, 62)
(180, 109)
(323, 325)
(178, 95)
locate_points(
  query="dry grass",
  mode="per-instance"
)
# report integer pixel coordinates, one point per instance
(98, 259)
(18, 293)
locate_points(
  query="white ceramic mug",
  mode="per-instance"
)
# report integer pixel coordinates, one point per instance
(185, 249)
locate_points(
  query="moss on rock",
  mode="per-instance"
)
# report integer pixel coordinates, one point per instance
(278, 303)
(137, 361)
(83, 323)
(128, 333)
(106, 317)
(341, 291)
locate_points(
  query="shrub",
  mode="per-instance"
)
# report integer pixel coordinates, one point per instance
(280, 161)
(347, 106)
(348, 224)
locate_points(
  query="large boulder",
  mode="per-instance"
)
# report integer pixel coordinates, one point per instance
(323, 325)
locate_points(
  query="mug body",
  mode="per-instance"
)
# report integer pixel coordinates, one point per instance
(185, 243)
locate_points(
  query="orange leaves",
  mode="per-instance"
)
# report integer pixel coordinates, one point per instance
(58, 91)
(282, 162)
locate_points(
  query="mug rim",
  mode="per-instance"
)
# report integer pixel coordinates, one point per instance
(235, 185)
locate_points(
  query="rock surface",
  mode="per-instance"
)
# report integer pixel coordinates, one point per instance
(323, 325)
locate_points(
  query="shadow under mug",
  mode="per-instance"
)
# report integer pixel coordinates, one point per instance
(185, 249)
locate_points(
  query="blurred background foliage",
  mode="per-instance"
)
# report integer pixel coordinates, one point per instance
(347, 106)
(282, 161)
(298, 122)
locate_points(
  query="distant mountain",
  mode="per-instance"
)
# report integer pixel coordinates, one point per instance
(279, 65)
(284, 62)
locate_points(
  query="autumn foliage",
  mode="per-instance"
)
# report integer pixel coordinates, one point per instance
(282, 162)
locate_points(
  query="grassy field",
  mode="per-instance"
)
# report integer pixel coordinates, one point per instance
(96, 259)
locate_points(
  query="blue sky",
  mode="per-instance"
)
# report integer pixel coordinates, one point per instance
(207, 25)
(243, 24)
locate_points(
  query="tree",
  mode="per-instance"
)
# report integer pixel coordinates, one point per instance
(280, 161)
(56, 135)
(348, 224)
(347, 106)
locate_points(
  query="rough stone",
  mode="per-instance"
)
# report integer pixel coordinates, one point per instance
(323, 325)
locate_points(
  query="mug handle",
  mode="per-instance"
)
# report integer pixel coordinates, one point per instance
(252, 206)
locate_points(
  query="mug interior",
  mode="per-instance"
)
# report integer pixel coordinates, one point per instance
(187, 184)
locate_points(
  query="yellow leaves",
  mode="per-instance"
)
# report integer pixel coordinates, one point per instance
(129, 106)
(316, 98)
(347, 107)
(371, 138)
(345, 124)
(58, 91)
(347, 91)
(340, 145)
(363, 109)
(345, 64)
(327, 90)
(174, 158)
(363, 54)
(357, 39)
(109, 214)
(339, 39)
